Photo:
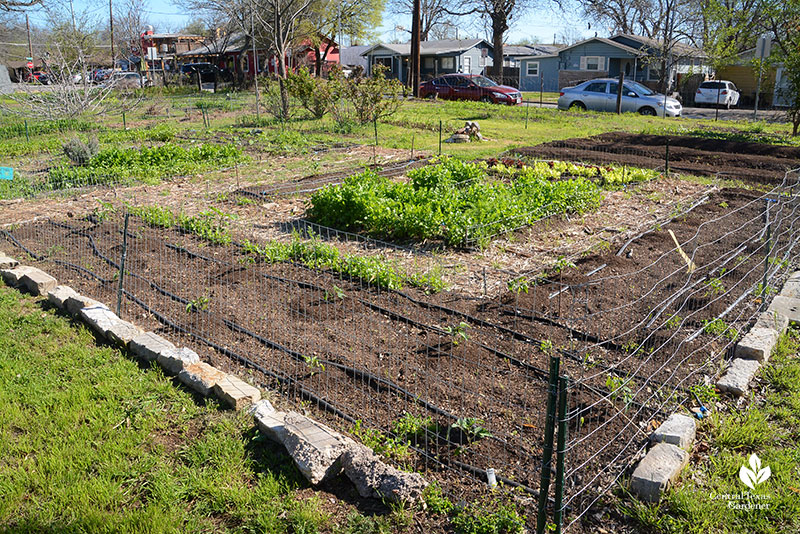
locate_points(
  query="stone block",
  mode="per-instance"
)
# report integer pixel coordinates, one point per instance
(790, 289)
(58, 296)
(757, 344)
(269, 421)
(173, 361)
(736, 380)
(678, 430)
(373, 478)
(200, 377)
(99, 318)
(38, 282)
(74, 304)
(7, 262)
(148, 346)
(122, 332)
(658, 469)
(13, 277)
(315, 448)
(236, 393)
(786, 306)
(773, 320)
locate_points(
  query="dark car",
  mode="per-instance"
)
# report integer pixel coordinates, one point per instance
(206, 71)
(37, 77)
(470, 87)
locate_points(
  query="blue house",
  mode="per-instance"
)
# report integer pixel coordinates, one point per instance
(468, 56)
(599, 57)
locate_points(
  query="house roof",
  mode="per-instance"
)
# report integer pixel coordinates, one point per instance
(173, 36)
(529, 50)
(236, 42)
(632, 51)
(430, 48)
(352, 55)
(680, 48)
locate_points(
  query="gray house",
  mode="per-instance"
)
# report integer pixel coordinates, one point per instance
(469, 56)
(598, 57)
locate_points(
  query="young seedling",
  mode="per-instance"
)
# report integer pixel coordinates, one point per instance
(458, 332)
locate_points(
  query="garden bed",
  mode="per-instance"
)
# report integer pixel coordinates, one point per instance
(377, 355)
(756, 163)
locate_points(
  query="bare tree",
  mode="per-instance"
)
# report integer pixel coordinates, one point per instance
(328, 19)
(498, 15)
(17, 5)
(130, 18)
(279, 20)
(435, 17)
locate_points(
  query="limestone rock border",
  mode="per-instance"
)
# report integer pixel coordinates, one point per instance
(319, 451)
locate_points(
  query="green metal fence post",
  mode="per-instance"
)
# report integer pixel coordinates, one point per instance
(440, 137)
(547, 446)
(561, 443)
(27, 135)
(122, 264)
(666, 160)
(124, 122)
(768, 244)
(527, 109)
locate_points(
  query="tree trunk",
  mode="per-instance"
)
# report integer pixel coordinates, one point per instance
(317, 62)
(281, 82)
(498, 29)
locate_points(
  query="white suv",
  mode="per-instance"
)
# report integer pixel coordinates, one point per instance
(718, 92)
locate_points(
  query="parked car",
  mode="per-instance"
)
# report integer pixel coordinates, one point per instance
(37, 77)
(719, 92)
(125, 80)
(469, 87)
(206, 71)
(601, 95)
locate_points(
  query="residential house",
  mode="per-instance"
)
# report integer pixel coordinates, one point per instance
(744, 74)
(637, 57)
(235, 53)
(168, 46)
(352, 58)
(469, 56)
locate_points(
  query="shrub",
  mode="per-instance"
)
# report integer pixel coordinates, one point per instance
(79, 152)
(313, 93)
(374, 97)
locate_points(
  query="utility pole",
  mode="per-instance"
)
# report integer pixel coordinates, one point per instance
(111, 23)
(72, 11)
(30, 45)
(415, 46)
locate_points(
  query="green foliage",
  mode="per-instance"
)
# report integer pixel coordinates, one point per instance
(394, 448)
(717, 327)
(498, 518)
(211, 225)
(115, 163)
(313, 92)
(451, 200)
(472, 428)
(198, 304)
(673, 322)
(715, 287)
(458, 332)
(706, 394)
(619, 389)
(318, 255)
(413, 426)
(435, 500)
(17, 129)
(371, 98)
(314, 364)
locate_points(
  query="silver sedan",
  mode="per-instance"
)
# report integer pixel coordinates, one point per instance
(601, 95)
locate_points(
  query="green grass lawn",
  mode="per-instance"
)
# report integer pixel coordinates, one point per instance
(93, 443)
(769, 427)
(534, 96)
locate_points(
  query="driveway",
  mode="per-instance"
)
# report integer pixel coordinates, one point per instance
(769, 115)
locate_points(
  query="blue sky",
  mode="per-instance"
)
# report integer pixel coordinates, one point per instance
(538, 23)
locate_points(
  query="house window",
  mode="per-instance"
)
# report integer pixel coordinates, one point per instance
(447, 63)
(532, 68)
(592, 63)
(653, 74)
(466, 64)
(386, 62)
(246, 66)
(429, 63)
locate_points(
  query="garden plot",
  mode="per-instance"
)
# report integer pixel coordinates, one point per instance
(462, 380)
(746, 161)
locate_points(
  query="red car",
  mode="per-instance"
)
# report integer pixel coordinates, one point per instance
(469, 87)
(36, 77)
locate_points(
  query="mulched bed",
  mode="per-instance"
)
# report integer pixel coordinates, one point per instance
(749, 162)
(345, 346)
